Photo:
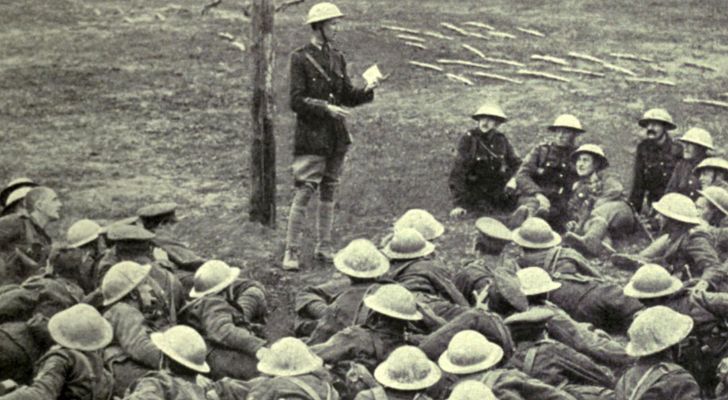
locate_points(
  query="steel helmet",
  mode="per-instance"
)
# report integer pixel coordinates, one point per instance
(469, 352)
(407, 368)
(717, 196)
(82, 232)
(490, 110)
(595, 150)
(651, 281)
(656, 329)
(429, 227)
(288, 356)
(17, 195)
(712, 162)
(407, 244)
(183, 345)
(361, 259)
(535, 280)
(698, 136)
(322, 12)
(12, 185)
(659, 115)
(121, 279)
(395, 301)
(536, 233)
(678, 207)
(567, 121)
(471, 390)
(212, 277)
(80, 327)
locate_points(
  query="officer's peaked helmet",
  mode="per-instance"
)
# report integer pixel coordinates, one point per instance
(323, 12)
(659, 115)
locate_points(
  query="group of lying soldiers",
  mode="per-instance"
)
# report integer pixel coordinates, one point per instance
(127, 311)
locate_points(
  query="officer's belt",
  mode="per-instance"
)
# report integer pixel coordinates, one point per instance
(318, 66)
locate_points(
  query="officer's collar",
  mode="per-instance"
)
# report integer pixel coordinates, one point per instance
(319, 45)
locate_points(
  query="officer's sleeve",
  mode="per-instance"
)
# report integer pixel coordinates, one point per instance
(300, 104)
(513, 160)
(131, 334)
(524, 176)
(636, 196)
(459, 172)
(48, 382)
(217, 318)
(353, 96)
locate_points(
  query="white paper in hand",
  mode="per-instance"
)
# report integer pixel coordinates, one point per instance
(372, 74)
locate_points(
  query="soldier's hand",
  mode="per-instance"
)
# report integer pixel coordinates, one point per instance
(571, 226)
(458, 212)
(543, 201)
(337, 112)
(511, 185)
(359, 373)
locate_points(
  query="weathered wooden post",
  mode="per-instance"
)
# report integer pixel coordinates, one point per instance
(263, 145)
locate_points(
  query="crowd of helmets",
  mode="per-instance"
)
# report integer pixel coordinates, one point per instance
(128, 311)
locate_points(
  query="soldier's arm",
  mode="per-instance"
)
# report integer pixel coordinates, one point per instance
(217, 318)
(457, 180)
(705, 258)
(253, 302)
(636, 196)
(48, 382)
(345, 346)
(524, 176)
(354, 96)
(513, 160)
(312, 302)
(132, 335)
(611, 191)
(148, 388)
(523, 386)
(299, 102)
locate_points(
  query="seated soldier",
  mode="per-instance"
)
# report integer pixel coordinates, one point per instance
(134, 311)
(551, 361)
(414, 266)
(395, 320)
(696, 143)
(705, 347)
(546, 176)
(485, 162)
(471, 357)
(229, 312)
(291, 370)
(405, 374)
(336, 305)
(24, 243)
(683, 247)
(537, 285)
(653, 339)
(85, 243)
(712, 206)
(712, 171)
(583, 293)
(183, 359)
(73, 368)
(597, 209)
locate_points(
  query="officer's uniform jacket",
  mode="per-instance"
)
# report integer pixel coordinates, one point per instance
(311, 89)
(653, 168)
(683, 180)
(547, 169)
(24, 248)
(69, 375)
(591, 192)
(41, 294)
(512, 384)
(484, 163)
(661, 381)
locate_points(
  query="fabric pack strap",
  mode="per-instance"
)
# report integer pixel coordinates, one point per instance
(648, 380)
(530, 360)
(318, 66)
(309, 390)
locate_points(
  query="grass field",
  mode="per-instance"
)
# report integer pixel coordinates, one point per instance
(117, 104)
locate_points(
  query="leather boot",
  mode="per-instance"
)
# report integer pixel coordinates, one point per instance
(324, 224)
(591, 242)
(296, 219)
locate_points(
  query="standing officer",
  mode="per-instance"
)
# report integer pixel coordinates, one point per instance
(656, 157)
(320, 89)
(485, 162)
(544, 180)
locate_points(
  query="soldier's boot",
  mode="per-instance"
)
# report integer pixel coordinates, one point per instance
(324, 224)
(519, 216)
(591, 242)
(296, 219)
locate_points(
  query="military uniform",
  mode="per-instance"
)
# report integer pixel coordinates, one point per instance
(547, 169)
(21, 345)
(163, 385)
(229, 324)
(683, 179)
(653, 168)
(661, 381)
(24, 248)
(42, 294)
(484, 163)
(69, 375)
(600, 196)
(512, 384)
(311, 386)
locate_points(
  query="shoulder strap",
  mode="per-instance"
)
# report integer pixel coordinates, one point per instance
(308, 389)
(530, 360)
(316, 65)
(552, 257)
(648, 380)
(359, 307)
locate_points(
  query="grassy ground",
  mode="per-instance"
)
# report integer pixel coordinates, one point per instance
(119, 104)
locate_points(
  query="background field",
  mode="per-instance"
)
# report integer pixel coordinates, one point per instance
(117, 104)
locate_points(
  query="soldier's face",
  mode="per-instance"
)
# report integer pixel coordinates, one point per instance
(330, 28)
(585, 164)
(707, 177)
(145, 294)
(690, 151)
(50, 206)
(704, 208)
(486, 124)
(565, 136)
(655, 130)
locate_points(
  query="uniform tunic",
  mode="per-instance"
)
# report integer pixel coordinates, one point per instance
(305, 387)
(653, 167)
(683, 180)
(666, 381)
(24, 248)
(511, 384)
(42, 294)
(600, 196)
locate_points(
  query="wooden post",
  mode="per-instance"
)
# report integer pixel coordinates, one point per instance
(263, 146)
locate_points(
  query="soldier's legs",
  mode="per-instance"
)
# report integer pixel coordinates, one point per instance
(308, 172)
(489, 324)
(527, 206)
(618, 215)
(325, 221)
(590, 243)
